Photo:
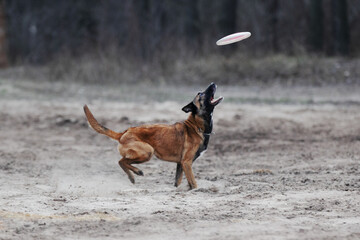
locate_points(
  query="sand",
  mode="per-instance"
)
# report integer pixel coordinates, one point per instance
(275, 169)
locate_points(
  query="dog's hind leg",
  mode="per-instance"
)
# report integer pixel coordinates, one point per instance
(178, 175)
(123, 164)
(138, 153)
(127, 163)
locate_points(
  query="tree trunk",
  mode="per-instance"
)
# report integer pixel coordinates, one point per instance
(227, 22)
(3, 44)
(340, 27)
(316, 26)
(273, 10)
(192, 24)
(140, 27)
(227, 18)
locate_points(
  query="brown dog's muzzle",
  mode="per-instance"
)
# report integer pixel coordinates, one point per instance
(210, 92)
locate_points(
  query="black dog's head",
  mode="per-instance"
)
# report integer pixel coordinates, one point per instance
(203, 103)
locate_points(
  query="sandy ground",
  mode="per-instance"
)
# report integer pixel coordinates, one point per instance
(283, 164)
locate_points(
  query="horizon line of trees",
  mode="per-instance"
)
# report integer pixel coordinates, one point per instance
(36, 31)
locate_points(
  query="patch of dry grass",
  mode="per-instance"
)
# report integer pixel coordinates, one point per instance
(291, 70)
(238, 69)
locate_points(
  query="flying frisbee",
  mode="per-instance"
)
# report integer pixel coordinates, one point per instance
(236, 37)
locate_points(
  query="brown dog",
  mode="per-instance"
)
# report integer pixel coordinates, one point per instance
(182, 142)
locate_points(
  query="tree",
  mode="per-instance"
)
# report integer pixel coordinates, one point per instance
(316, 26)
(192, 23)
(340, 27)
(226, 22)
(273, 11)
(3, 48)
(227, 17)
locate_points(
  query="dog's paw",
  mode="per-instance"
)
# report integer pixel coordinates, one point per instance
(132, 180)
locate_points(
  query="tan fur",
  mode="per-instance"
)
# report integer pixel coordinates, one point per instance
(99, 128)
(175, 143)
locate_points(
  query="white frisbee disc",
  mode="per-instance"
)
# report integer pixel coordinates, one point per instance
(236, 37)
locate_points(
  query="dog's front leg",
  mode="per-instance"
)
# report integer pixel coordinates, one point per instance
(187, 167)
(178, 175)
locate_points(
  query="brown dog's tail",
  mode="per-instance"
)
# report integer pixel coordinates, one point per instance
(99, 128)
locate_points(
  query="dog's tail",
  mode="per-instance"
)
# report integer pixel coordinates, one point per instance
(98, 127)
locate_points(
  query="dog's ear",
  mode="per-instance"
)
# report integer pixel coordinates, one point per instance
(189, 108)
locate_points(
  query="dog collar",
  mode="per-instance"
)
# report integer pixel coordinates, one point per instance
(208, 134)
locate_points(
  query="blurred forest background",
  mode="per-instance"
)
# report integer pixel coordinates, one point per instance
(173, 41)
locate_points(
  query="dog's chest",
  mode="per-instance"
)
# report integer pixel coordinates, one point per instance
(202, 147)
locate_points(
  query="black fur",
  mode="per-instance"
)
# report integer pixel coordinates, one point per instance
(205, 112)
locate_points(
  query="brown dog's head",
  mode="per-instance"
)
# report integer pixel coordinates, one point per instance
(204, 102)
